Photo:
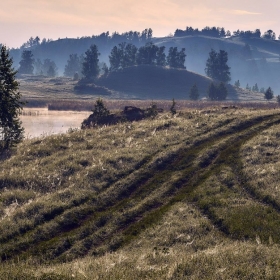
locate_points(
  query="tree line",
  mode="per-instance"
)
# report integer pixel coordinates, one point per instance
(123, 55)
(104, 37)
(219, 32)
(28, 65)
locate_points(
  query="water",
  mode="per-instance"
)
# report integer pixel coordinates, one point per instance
(41, 122)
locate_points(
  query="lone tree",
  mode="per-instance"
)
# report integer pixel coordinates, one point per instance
(268, 94)
(90, 65)
(26, 63)
(194, 94)
(11, 131)
(73, 66)
(216, 66)
(100, 109)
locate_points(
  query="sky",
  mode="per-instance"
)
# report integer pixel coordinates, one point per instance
(53, 19)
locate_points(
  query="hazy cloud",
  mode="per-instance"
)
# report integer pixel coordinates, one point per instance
(242, 12)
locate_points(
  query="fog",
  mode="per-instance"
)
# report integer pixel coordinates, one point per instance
(251, 60)
(40, 122)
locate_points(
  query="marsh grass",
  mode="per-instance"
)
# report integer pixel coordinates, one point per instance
(162, 199)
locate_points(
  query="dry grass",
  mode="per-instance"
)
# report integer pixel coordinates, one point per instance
(156, 199)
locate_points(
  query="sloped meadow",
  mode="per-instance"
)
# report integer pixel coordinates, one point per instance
(191, 196)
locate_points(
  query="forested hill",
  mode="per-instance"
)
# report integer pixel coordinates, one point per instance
(253, 57)
(157, 82)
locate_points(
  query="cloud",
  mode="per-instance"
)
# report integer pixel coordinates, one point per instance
(244, 13)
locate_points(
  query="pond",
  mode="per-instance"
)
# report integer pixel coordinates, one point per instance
(42, 122)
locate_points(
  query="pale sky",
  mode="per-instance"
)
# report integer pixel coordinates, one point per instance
(53, 19)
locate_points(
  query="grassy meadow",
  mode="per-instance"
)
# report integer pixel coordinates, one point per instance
(190, 196)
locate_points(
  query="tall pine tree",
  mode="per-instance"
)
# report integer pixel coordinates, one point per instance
(11, 131)
(90, 64)
(26, 63)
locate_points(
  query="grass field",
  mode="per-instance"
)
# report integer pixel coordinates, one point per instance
(194, 196)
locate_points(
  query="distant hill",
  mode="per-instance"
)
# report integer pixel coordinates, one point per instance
(252, 60)
(156, 82)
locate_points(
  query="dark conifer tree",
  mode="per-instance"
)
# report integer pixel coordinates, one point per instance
(74, 65)
(90, 64)
(175, 58)
(268, 94)
(26, 63)
(216, 66)
(11, 131)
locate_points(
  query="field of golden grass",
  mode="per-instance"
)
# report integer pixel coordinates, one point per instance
(190, 196)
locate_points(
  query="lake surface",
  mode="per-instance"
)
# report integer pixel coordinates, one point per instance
(41, 122)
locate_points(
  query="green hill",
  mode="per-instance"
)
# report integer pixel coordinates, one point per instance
(191, 196)
(156, 82)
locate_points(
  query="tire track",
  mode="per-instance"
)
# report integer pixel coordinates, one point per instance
(107, 213)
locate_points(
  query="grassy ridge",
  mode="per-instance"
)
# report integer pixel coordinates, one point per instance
(92, 192)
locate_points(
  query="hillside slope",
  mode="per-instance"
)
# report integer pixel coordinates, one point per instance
(156, 82)
(254, 60)
(191, 196)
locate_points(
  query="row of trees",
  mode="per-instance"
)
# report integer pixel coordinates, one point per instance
(122, 56)
(104, 37)
(219, 32)
(125, 55)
